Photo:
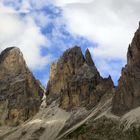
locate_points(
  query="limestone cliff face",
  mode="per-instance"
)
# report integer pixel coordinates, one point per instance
(65, 68)
(75, 80)
(20, 92)
(127, 95)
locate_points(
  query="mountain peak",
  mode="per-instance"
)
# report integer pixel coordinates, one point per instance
(127, 95)
(6, 52)
(12, 61)
(20, 92)
(74, 79)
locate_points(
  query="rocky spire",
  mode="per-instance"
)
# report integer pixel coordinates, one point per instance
(75, 80)
(127, 95)
(89, 58)
(20, 92)
(67, 65)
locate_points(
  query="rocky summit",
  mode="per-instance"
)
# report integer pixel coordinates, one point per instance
(75, 81)
(20, 92)
(127, 95)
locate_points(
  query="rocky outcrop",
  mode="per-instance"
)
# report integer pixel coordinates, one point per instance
(20, 92)
(127, 95)
(75, 80)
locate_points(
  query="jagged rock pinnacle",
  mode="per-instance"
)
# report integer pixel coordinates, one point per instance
(89, 58)
(75, 80)
(127, 95)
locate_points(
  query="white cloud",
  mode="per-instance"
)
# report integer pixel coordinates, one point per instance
(109, 23)
(23, 32)
(41, 18)
(37, 4)
(25, 7)
(65, 2)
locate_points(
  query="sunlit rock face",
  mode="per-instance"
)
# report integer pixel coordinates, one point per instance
(127, 95)
(75, 80)
(20, 92)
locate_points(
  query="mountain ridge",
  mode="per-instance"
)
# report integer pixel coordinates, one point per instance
(79, 103)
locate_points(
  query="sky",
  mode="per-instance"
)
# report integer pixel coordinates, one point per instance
(44, 29)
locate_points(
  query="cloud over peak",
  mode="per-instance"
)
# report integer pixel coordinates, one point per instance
(109, 24)
(21, 30)
(40, 27)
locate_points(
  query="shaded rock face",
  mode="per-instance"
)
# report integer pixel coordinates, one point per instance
(75, 80)
(20, 92)
(127, 95)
